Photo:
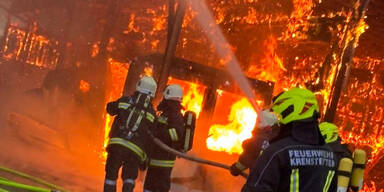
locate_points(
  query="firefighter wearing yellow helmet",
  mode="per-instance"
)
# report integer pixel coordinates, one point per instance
(296, 160)
(134, 118)
(169, 128)
(343, 155)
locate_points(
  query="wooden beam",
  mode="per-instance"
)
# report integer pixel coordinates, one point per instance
(171, 48)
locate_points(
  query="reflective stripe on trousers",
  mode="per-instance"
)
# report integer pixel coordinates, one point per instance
(136, 149)
(129, 181)
(328, 181)
(110, 182)
(294, 187)
(161, 163)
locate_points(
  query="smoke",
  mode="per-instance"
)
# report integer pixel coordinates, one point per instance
(45, 133)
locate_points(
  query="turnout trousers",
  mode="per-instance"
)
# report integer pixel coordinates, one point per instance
(158, 179)
(120, 156)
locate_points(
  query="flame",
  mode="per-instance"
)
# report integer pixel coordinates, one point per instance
(229, 137)
(271, 65)
(148, 71)
(298, 23)
(370, 188)
(361, 27)
(116, 79)
(193, 95)
(84, 86)
(30, 47)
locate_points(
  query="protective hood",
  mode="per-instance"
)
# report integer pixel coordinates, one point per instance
(169, 106)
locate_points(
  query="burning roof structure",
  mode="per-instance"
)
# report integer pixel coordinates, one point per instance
(332, 47)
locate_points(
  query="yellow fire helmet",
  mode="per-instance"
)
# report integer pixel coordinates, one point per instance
(294, 105)
(329, 132)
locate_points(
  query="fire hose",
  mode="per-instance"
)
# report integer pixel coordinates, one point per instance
(6, 182)
(195, 159)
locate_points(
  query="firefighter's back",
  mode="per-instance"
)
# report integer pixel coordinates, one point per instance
(294, 166)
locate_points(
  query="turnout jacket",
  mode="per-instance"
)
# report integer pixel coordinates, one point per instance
(253, 148)
(169, 128)
(290, 165)
(134, 134)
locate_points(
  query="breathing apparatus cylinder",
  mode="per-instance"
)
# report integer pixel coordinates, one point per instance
(189, 124)
(359, 160)
(344, 174)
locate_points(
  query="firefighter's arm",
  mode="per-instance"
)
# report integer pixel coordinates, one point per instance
(251, 151)
(265, 175)
(114, 106)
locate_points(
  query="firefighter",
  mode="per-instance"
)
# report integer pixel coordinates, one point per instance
(253, 147)
(330, 134)
(169, 129)
(296, 160)
(129, 134)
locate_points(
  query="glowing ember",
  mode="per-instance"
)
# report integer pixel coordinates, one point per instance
(229, 137)
(30, 47)
(84, 86)
(95, 49)
(193, 95)
(370, 188)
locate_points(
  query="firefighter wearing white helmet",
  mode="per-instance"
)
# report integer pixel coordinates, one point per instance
(173, 92)
(134, 118)
(170, 130)
(147, 85)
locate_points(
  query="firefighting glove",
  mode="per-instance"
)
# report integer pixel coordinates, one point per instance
(235, 171)
(266, 119)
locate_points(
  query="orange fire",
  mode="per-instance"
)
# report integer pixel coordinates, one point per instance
(371, 188)
(193, 95)
(116, 79)
(84, 86)
(271, 65)
(148, 71)
(30, 47)
(229, 137)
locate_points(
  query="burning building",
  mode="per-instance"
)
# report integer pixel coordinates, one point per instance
(328, 46)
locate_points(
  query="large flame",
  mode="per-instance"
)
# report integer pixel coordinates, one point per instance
(193, 95)
(229, 137)
(118, 73)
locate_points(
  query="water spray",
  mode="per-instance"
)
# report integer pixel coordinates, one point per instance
(216, 36)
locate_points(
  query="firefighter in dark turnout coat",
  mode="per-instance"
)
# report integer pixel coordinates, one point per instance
(330, 134)
(264, 131)
(129, 134)
(296, 159)
(169, 129)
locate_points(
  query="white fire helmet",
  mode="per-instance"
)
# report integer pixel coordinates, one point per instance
(173, 92)
(147, 85)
